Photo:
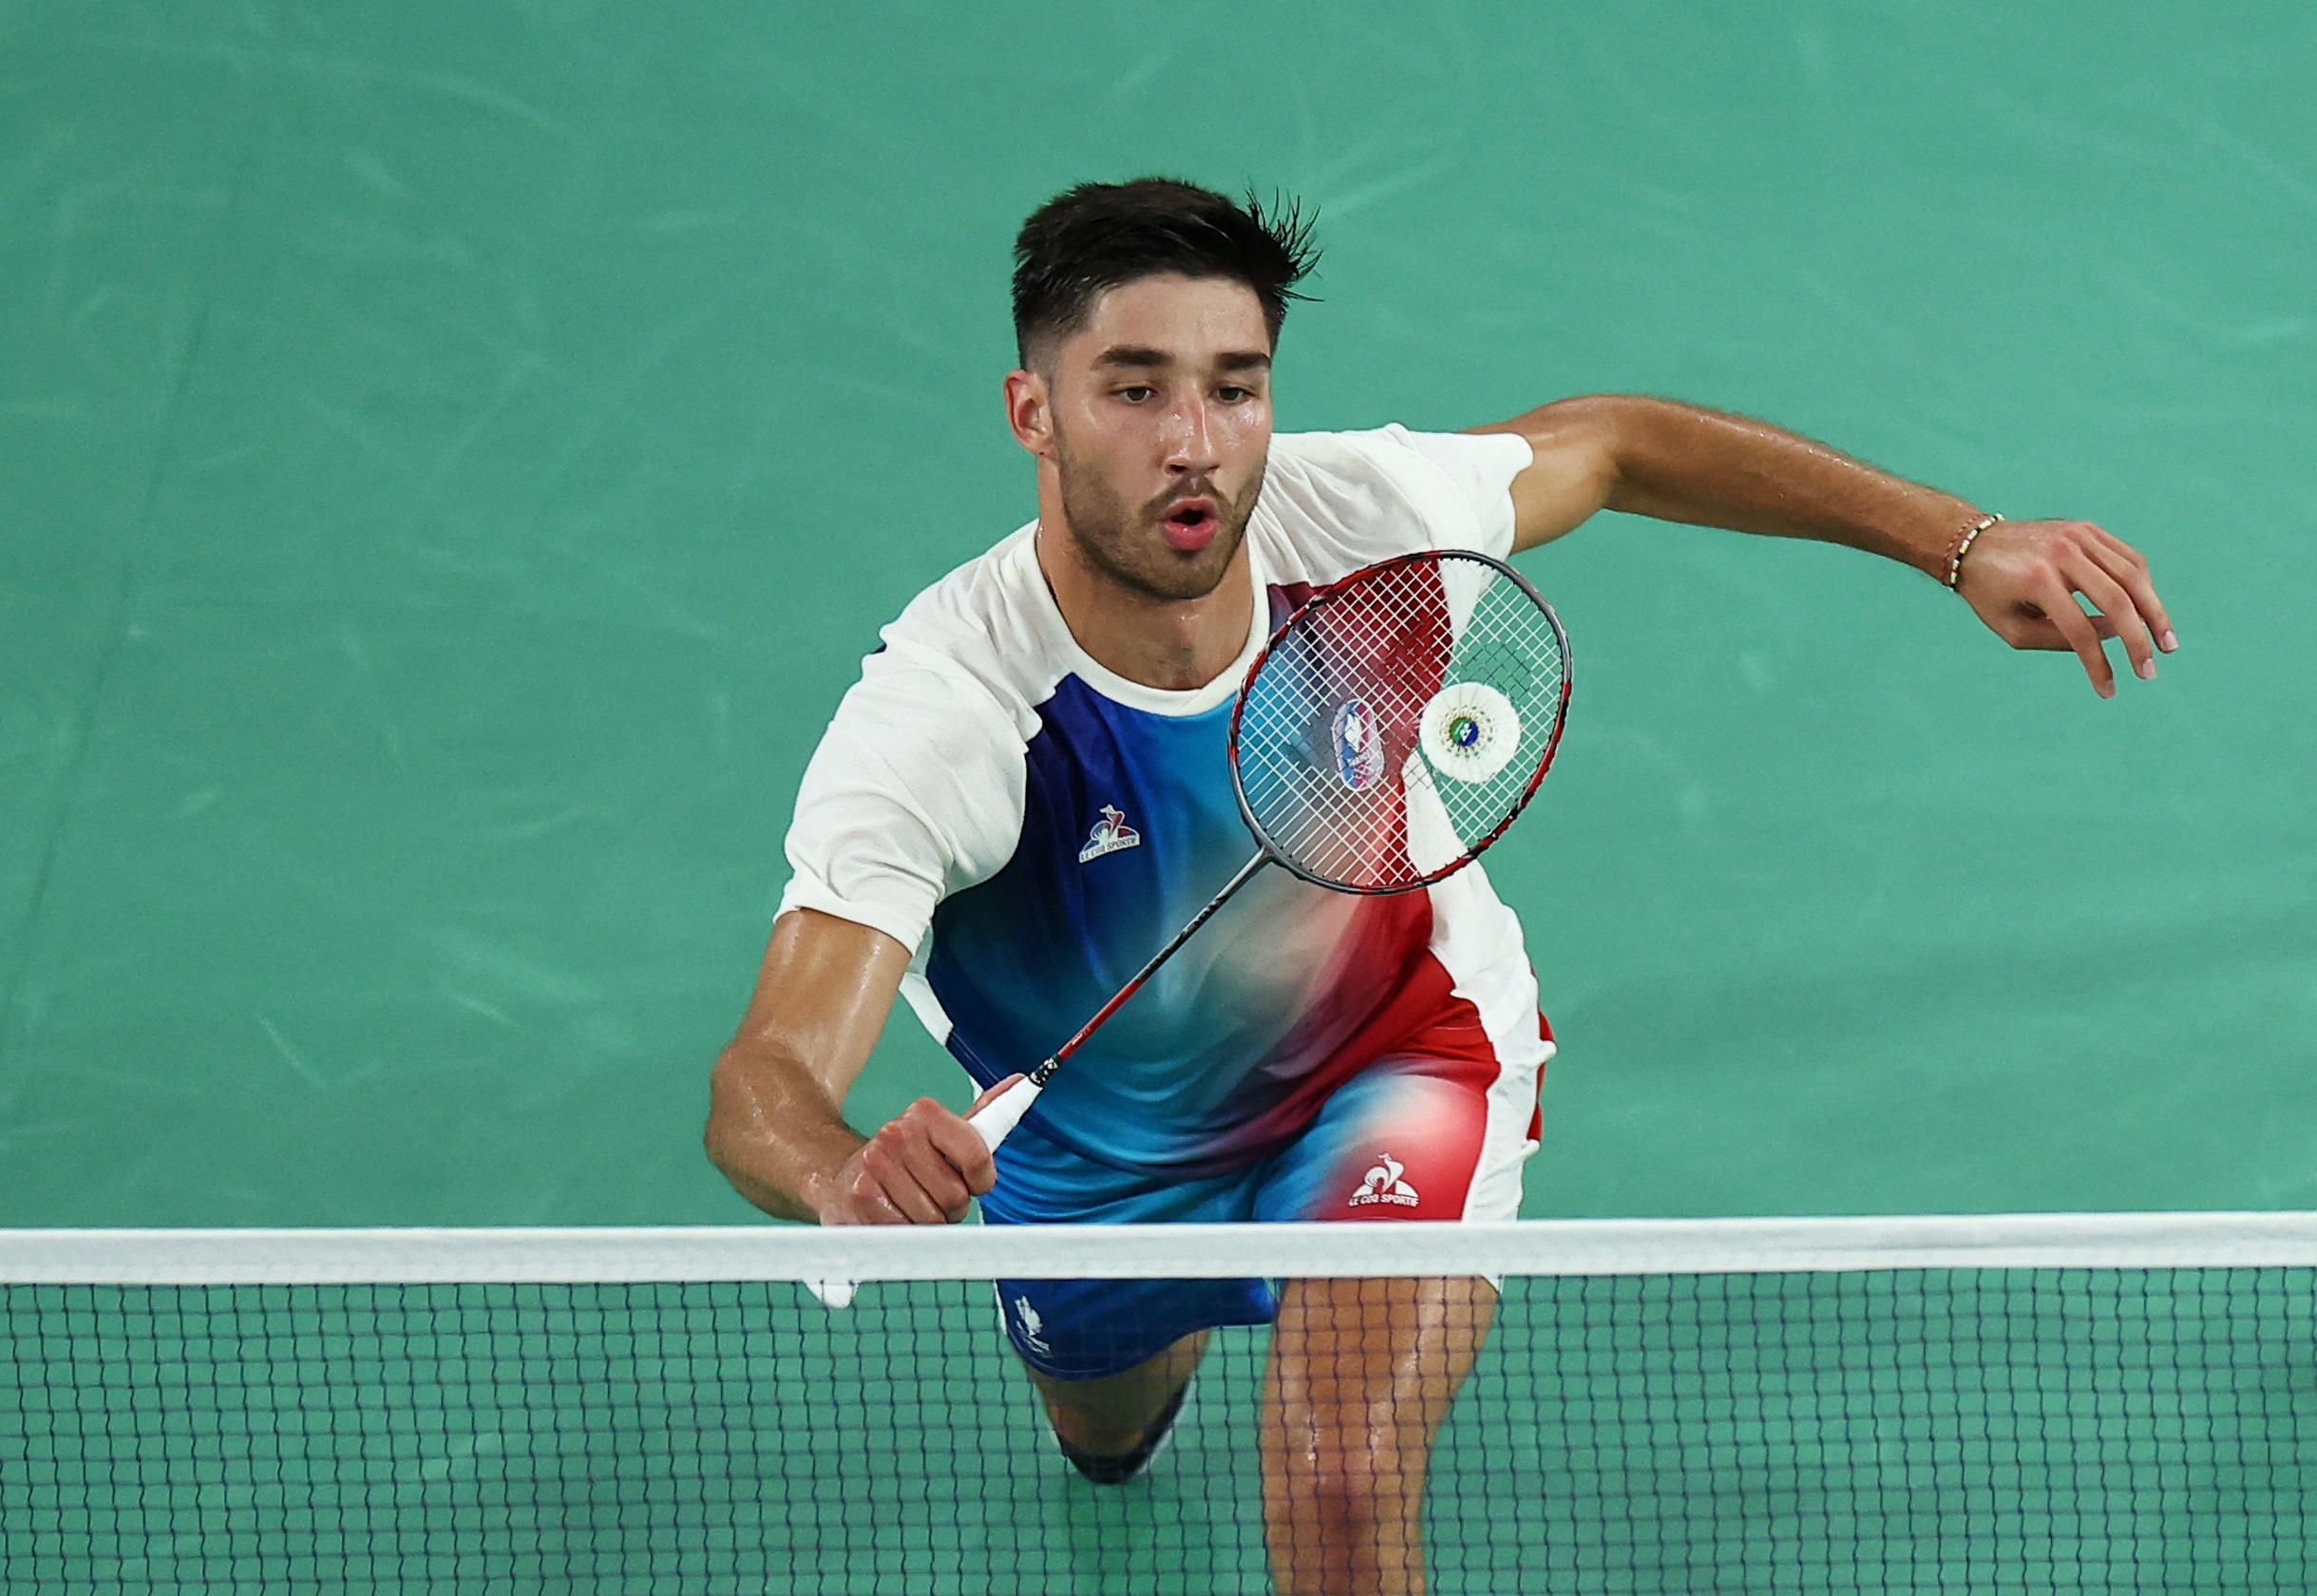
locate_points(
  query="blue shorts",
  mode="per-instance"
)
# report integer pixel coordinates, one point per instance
(1407, 1138)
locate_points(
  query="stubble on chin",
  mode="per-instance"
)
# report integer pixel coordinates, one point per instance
(1123, 541)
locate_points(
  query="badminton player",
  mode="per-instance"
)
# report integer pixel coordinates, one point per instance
(1028, 791)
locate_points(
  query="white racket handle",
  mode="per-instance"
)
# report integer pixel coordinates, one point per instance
(1001, 1114)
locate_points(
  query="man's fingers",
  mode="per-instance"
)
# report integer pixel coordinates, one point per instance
(2059, 608)
(964, 1159)
(2123, 617)
(930, 1146)
(864, 1204)
(966, 1152)
(992, 1095)
(937, 1177)
(2025, 585)
(951, 1160)
(2122, 561)
(885, 1160)
(924, 1168)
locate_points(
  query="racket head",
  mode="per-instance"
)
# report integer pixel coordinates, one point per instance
(1397, 724)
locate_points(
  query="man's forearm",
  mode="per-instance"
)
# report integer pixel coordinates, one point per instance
(774, 1134)
(1680, 462)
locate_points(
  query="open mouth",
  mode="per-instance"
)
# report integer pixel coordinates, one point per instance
(1190, 525)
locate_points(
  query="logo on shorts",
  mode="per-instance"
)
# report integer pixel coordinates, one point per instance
(1026, 1315)
(1110, 834)
(1384, 1185)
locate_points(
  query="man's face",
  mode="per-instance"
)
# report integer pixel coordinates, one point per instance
(1162, 419)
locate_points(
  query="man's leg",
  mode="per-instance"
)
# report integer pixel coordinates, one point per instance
(1110, 1358)
(1362, 1372)
(1112, 1417)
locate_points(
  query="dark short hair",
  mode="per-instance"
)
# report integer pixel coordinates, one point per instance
(1097, 235)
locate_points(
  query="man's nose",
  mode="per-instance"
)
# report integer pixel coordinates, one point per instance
(1191, 437)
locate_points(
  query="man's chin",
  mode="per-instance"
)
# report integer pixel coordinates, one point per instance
(1154, 560)
(1183, 577)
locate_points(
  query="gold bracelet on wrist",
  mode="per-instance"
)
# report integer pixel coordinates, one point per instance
(1962, 546)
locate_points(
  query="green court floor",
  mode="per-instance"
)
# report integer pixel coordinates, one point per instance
(453, 455)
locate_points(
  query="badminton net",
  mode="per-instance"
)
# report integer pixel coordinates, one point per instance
(1983, 1405)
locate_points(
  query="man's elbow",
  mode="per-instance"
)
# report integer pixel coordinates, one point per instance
(732, 1113)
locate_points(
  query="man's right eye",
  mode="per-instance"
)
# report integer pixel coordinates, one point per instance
(1136, 395)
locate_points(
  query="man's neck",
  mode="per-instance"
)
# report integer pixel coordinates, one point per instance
(1172, 644)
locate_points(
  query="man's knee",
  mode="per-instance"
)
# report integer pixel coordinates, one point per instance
(1346, 1471)
(1115, 1413)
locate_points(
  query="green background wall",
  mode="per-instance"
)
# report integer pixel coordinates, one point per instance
(452, 456)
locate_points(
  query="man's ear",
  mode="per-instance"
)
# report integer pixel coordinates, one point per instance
(1028, 410)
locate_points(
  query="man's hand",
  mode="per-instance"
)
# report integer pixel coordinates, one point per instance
(925, 1166)
(2021, 578)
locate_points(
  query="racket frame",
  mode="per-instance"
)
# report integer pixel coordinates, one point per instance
(1329, 594)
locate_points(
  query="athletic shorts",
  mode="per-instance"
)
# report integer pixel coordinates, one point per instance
(1408, 1138)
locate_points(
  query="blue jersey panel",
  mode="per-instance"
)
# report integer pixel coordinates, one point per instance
(1130, 824)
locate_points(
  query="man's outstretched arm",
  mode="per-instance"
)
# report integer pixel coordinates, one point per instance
(1676, 462)
(775, 1125)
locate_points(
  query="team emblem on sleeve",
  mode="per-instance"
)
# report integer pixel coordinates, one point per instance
(1110, 834)
(1384, 1185)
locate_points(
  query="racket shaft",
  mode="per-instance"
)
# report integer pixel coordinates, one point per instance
(1003, 1113)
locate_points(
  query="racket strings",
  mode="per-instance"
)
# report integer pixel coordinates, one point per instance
(1400, 721)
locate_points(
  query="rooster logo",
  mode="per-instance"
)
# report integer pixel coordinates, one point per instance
(1383, 1184)
(1110, 834)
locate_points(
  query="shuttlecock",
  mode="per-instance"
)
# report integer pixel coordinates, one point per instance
(1470, 732)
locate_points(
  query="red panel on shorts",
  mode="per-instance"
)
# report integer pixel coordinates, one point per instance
(1402, 1138)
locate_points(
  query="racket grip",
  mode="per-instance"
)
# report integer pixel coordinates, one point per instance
(999, 1117)
(992, 1124)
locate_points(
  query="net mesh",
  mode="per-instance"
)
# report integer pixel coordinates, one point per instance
(1966, 1429)
(1401, 720)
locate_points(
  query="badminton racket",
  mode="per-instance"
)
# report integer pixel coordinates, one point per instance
(1390, 729)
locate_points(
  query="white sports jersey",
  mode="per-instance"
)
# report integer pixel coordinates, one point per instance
(1035, 826)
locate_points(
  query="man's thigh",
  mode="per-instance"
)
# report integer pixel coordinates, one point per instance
(1362, 1372)
(1388, 1355)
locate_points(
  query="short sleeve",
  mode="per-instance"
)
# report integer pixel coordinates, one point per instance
(915, 792)
(1482, 467)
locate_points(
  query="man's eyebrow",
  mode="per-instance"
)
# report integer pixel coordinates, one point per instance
(1140, 355)
(1133, 355)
